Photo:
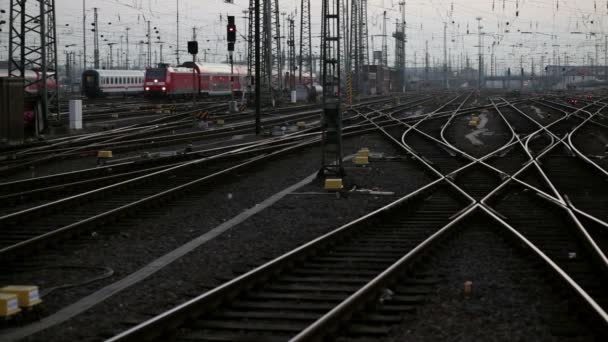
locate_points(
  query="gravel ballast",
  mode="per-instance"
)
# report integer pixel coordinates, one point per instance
(296, 219)
(511, 300)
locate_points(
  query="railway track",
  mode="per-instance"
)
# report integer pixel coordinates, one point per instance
(107, 197)
(171, 130)
(62, 218)
(40, 190)
(312, 292)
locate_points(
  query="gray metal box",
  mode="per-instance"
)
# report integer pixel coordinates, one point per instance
(11, 110)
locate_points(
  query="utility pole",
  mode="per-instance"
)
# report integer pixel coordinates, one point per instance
(521, 68)
(128, 62)
(596, 62)
(355, 64)
(403, 30)
(84, 33)
(332, 115)
(177, 44)
(119, 65)
(111, 66)
(542, 70)
(257, 38)
(480, 46)
(364, 33)
(161, 52)
(426, 61)
(606, 57)
(291, 44)
(149, 35)
(33, 45)
(68, 71)
(140, 54)
(384, 43)
(305, 40)
(445, 56)
(96, 40)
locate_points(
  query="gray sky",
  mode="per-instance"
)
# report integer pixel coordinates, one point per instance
(553, 22)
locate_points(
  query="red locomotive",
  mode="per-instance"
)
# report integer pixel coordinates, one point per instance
(211, 79)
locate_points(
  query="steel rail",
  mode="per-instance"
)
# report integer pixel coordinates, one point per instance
(154, 327)
(586, 238)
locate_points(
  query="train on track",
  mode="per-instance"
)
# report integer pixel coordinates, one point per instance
(212, 79)
(101, 83)
(33, 81)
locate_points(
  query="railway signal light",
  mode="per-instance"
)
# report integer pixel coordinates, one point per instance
(193, 47)
(231, 30)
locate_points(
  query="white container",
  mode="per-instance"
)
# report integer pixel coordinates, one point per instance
(75, 114)
(294, 96)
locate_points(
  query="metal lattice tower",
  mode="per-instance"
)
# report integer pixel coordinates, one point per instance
(354, 40)
(330, 69)
(95, 40)
(271, 54)
(384, 42)
(276, 51)
(364, 33)
(399, 52)
(251, 44)
(33, 45)
(291, 47)
(305, 41)
(345, 37)
(480, 46)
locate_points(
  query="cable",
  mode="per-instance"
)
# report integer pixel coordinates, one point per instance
(107, 272)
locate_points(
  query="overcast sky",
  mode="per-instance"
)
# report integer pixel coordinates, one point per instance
(552, 22)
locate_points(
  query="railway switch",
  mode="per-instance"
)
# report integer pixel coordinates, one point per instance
(27, 295)
(334, 184)
(9, 304)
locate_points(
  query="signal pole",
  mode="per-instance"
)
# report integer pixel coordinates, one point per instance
(111, 56)
(384, 42)
(84, 34)
(480, 52)
(26, 27)
(332, 115)
(445, 56)
(305, 40)
(426, 61)
(128, 48)
(257, 69)
(177, 44)
(96, 40)
(149, 46)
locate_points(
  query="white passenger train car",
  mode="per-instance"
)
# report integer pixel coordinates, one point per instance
(101, 83)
